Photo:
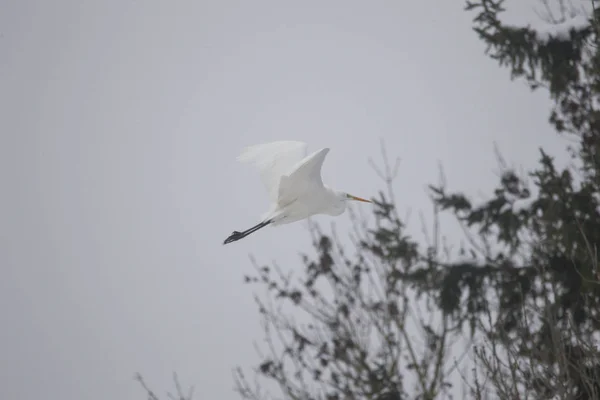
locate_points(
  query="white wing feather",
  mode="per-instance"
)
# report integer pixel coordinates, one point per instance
(274, 160)
(308, 171)
(304, 178)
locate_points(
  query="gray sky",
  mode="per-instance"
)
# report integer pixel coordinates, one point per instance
(120, 123)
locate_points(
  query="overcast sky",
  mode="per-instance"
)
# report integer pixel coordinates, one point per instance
(120, 122)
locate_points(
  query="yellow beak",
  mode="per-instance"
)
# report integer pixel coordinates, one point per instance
(359, 199)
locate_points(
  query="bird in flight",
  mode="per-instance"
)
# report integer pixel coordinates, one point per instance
(293, 181)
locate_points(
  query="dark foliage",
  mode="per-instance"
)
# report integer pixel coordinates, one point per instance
(538, 234)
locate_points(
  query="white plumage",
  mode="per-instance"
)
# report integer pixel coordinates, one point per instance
(274, 160)
(293, 181)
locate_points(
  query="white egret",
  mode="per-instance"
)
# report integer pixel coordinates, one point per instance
(294, 183)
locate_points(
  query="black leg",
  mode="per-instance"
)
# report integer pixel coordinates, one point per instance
(235, 235)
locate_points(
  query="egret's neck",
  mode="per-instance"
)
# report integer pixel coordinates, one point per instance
(335, 201)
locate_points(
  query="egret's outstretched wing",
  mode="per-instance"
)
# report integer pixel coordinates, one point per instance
(309, 169)
(274, 160)
(305, 177)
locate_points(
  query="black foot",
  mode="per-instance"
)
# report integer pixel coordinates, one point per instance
(235, 235)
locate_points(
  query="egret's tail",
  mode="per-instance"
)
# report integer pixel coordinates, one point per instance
(272, 214)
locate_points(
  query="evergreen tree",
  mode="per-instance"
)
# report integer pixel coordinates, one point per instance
(532, 287)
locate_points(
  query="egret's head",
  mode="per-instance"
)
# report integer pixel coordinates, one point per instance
(338, 206)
